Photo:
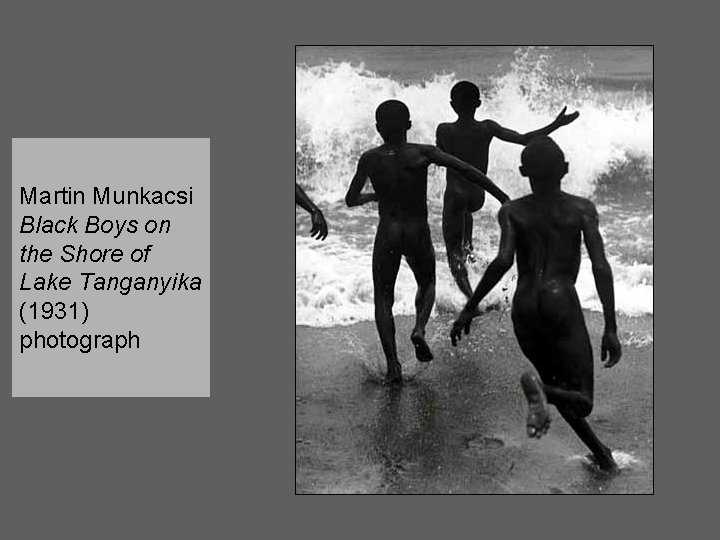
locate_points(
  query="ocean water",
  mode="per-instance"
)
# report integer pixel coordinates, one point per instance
(609, 149)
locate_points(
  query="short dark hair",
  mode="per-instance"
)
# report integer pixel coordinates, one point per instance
(465, 92)
(392, 115)
(542, 156)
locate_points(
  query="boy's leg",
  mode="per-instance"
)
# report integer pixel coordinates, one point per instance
(601, 453)
(386, 263)
(530, 341)
(468, 227)
(575, 402)
(420, 256)
(573, 393)
(453, 225)
(468, 238)
(567, 371)
(566, 402)
(563, 358)
(474, 204)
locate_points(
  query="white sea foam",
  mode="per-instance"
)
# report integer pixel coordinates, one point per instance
(333, 285)
(335, 123)
(612, 141)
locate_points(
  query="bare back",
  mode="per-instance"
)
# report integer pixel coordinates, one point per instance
(471, 143)
(399, 178)
(548, 236)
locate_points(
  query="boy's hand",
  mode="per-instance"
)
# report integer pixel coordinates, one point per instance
(461, 323)
(610, 346)
(319, 229)
(564, 119)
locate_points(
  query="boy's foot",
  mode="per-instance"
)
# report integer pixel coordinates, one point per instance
(422, 350)
(538, 419)
(605, 462)
(394, 376)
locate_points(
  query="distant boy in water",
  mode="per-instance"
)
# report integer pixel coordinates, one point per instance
(545, 229)
(319, 228)
(398, 173)
(469, 140)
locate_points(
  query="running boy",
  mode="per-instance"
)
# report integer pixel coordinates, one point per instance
(398, 173)
(545, 229)
(469, 140)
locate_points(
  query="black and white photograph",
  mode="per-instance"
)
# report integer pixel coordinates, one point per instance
(474, 269)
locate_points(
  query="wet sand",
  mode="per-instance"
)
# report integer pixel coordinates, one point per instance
(457, 425)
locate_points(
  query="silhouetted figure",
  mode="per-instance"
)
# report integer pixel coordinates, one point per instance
(469, 140)
(398, 173)
(319, 227)
(545, 229)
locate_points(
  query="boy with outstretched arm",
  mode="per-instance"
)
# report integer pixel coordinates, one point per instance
(469, 139)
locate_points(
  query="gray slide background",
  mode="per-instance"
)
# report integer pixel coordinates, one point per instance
(174, 328)
(224, 467)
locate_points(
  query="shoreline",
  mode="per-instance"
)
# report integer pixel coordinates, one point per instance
(457, 424)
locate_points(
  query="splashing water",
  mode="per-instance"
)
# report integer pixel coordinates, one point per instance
(624, 460)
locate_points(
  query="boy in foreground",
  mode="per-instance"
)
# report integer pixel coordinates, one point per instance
(398, 173)
(545, 228)
(469, 140)
(319, 229)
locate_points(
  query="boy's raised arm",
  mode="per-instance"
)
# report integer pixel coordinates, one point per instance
(469, 172)
(354, 196)
(509, 135)
(604, 284)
